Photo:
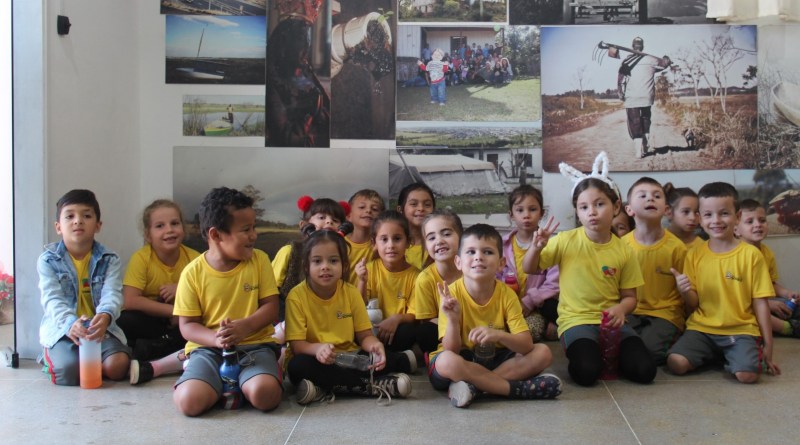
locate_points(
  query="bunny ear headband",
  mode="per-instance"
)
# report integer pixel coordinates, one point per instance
(599, 171)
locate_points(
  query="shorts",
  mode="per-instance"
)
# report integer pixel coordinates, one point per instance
(592, 332)
(656, 333)
(442, 383)
(62, 364)
(742, 353)
(203, 364)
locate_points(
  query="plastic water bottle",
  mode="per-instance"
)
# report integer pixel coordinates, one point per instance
(792, 304)
(90, 362)
(375, 314)
(609, 348)
(483, 353)
(229, 372)
(352, 360)
(510, 279)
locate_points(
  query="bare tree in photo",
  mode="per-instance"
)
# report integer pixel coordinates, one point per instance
(255, 193)
(581, 77)
(690, 71)
(721, 54)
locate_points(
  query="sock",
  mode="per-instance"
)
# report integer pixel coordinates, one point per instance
(786, 329)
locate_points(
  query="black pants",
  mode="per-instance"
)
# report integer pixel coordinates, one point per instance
(404, 338)
(586, 364)
(638, 121)
(427, 335)
(549, 310)
(327, 376)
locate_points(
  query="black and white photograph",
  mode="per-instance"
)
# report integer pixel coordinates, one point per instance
(214, 7)
(606, 12)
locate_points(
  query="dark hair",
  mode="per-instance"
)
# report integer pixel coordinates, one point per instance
(594, 183)
(720, 190)
(217, 206)
(522, 192)
(675, 194)
(323, 236)
(644, 180)
(629, 218)
(391, 216)
(446, 214)
(326, 206)
(155, 205)
(749, 205)
(368, 194)
(403, 197)
(482, 231)
(78, 196)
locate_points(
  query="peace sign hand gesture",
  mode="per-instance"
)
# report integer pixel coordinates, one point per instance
(543, 234)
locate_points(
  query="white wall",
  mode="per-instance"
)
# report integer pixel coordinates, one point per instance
(6, 220)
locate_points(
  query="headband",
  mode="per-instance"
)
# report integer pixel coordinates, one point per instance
(599, 171)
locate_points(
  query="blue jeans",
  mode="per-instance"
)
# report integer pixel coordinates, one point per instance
(438, 92)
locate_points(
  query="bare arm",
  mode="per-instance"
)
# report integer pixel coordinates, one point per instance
(690, 299)
(530, 262)
(626, 305)
(450, 307)
(323, 352)
(761, 309)
(521, 343)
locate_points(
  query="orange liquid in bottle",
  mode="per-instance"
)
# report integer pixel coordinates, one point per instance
(91, 375)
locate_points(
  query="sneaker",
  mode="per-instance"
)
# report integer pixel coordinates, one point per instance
(543, 386)
(461, 394)
(393, 385)
(412, 360)
(308, 392)
(441, 104)
(433, 102)
(140, 372)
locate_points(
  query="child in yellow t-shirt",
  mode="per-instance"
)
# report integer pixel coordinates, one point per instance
(227, 298)
(365, 206)
(659, 315)
(415, 202)
(752, 229)
(682, 214)
(485, 343)
(326, 317)
(442, 231)
(726, 285)
(149, 291)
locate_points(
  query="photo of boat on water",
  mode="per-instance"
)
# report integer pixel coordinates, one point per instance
(223, 115)
(215, 50)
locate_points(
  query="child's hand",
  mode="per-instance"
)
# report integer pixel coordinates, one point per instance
(231, 332)
(378, 356)
(77, 331)
(543, 234)
(166, 293)
(325, 354)
(483, 334)
(779, 309)
(449, 304)
(681, 281)
(98, 326)
(387, 328)
(616, 315)
(361, 270)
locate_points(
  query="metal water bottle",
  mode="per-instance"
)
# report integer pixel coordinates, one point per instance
(229, 372)
(609, 347)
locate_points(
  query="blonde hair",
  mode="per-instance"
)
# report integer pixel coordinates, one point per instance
(155, 205)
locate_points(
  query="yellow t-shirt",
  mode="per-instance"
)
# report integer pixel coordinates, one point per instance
(769, 258)
(726, 284)
(85, 302)
(503, 311)
(213, 295)
(519, 254)
(426, 295)
(394, 290)
(147, 273)
(659, 296)
(358, 251)
(281, 263)
(416, 256)
(334, 321)
(591, 275)
(696, 242)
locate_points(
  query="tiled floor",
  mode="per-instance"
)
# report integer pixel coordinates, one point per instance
(707, 407)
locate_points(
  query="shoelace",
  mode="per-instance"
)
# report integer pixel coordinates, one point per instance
(381, 390)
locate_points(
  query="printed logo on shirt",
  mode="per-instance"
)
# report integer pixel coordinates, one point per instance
(731, 276)
(400, 295)
(609, 271)
(341, 315)
(249, 287)
(85, 284)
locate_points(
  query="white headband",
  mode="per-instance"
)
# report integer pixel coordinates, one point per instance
(599, 171)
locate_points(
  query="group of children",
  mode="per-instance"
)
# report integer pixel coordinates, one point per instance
(439, 291)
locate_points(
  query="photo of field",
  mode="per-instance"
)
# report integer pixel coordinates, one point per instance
(778, 97)
(275, 179)
(214, 7)
(703, 101)
(215, 50)
(219, 115)
(453, 11)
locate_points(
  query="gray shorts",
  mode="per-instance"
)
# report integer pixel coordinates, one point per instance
(657, 334)
(61, 361)
(592, 332)
(742, 353)
(203, 364)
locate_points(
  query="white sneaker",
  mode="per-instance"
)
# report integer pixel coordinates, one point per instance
(397, 385)
(412, 360)
(308, 392)
(461, 394)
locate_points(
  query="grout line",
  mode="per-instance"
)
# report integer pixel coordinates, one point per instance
(294, 427)
(625, 418)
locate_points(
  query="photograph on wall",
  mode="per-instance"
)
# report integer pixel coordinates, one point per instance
(214, 7)
(362, 70)
(275, 179)
(778, 96)
(298, 74)
(215, 50)
(656, 98)
(606, 12)
(453, 10)
(468, 73)
(778, 191)
(207, 115)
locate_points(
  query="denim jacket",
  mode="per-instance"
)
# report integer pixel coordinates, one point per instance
(58, 283)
